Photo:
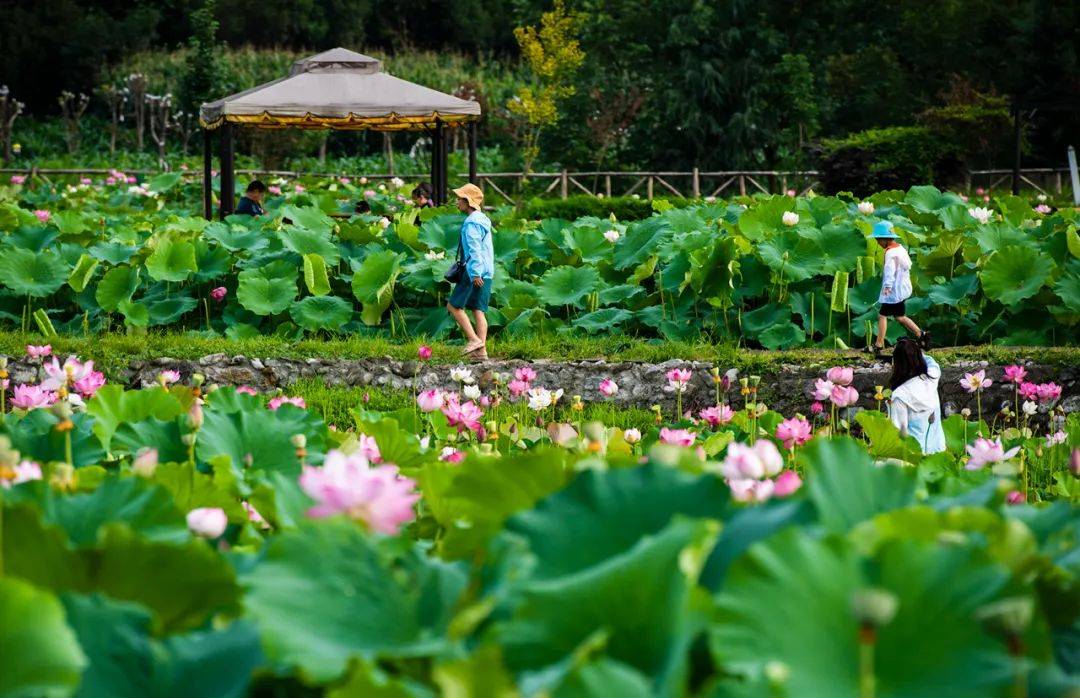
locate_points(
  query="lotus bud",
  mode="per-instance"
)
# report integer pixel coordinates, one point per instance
(965, 413)
(299, 440)
(873, 607)
(367, 397)
(145, 462)
(755, 381)
(1010, 617)
(195, 414)
(777, 673)
(63, 477)
(197, 379)
(577, 405)
(188, 440)
(249, 460)
(1074, 462)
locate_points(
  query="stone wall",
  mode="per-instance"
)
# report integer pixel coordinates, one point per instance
(786, 388)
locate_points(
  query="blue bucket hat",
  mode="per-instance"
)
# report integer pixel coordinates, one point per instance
(883, 230)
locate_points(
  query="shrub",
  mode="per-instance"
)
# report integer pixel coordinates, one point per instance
(625, 208)
(890, 158)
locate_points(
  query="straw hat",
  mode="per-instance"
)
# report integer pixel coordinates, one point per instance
(473, 194)
(883, 230)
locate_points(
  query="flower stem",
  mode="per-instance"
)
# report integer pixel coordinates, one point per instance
(866, 666)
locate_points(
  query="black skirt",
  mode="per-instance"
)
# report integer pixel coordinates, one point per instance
(893, 309)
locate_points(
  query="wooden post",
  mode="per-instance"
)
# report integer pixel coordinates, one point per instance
(1057, 181)
(607, 186)
(438, 190)
(696, 184)
(228, 185)
(472, 152)
(649, 187)
(564, 184)
(742, 185)
(208, 183)
(444, 169)
(1017, 138)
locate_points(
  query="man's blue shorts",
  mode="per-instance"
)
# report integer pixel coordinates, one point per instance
(465, 295)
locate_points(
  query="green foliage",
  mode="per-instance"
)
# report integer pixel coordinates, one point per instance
(624, 208)
(203, 72)
(890, 158)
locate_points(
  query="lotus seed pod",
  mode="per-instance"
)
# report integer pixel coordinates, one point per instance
(777, 673)
(1010, 616)
(299, 441)
(874, 607)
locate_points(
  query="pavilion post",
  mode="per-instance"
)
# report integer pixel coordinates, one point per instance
(443, 166)
(472, 152)
(207, 173)
(1018, 140)
(228, 186)
(436, 161)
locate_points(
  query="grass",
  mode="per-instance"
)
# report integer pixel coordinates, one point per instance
(114, 351)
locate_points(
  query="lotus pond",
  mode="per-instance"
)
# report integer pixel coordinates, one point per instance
(185, 539)
(768, 271)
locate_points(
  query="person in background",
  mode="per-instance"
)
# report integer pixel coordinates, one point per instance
(915, 407)
(473, 289)
(421, 195)
(895, 286)
(251, 202)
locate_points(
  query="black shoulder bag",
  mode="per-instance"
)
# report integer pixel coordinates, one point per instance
(457, 270)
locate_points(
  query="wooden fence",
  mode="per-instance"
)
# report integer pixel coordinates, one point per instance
(694, 183)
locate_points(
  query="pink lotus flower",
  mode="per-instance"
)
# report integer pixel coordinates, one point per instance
(31, 397)
(817, 407)
(1015, 497)
(753, 462)
(424, 352)
(1029, 391)
(717, 415)
(430, 400)
(347, 484)
(525, 374)
(42, 215)
(631, 436)
(839, 375)
(1058, 437)
(787, 483)
(168, 377)
(246, 390)
(1043, 209)
(110, 180)
(145, 462)
(750, 490)
(369, 448)
(823, 389)
(68, 375)
(974, 382)
(844, 396)
(131, 179)
(24, 471)
(608, 388)
(38, 352)
(517, 388)
(276, 402)
(207, 522)
(1048, 392)
(254, 516)
(219, 293)
(1015, 374)
(86, 181)
(450, 454)
(463, 416)
(369, 193)
(274, 189)
(299, 188)
(344, 180)
(794, 432)
(678, 379)
(89, 384)
(980, 191)
(18, 179)
(677, 437)
(985, 451)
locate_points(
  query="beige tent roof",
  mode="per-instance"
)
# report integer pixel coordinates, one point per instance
(339, 89)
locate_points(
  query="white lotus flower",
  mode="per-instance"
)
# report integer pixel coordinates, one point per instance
(791, 218)
(1029, 407)
(462, 375)
(866, 208)
(539, 399)
(981, 214)
(433, 255)
(384, 222)
(397, 182)
(472, 392)
(612, 236)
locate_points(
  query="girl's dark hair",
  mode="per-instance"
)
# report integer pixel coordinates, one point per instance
(422, 188)
(907, 362)
(256, 185)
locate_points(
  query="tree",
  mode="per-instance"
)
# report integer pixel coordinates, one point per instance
(203, 74)
(553, 56)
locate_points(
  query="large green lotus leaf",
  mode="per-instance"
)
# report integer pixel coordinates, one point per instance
(955, 216)
(603, 320)
(471, 500)
(303, 241)
(162, 436)
(821, 210)
(315, 276)
(112, 252)
(810, 584)
(586, 239)
(601, 678)
(34, 274)
(36, 437)
(1068, 289)
(146, 508)
(69, 222)
(116, 286)
(164, 182)
(213, 261)
(32, 238)
(135, 314)
(612, 295)
(885, 438)
(642, 240)
(757, 321)
(237, 238)
(309, 217)
(82, 273)
(766, 217)
(713, 274)
(846, 486)
(262, 436)
(675, 275)
(172, 260)
(191, 489)
(373, 283)
(321, 313)
(929, 199)
(790, 255)
(1014, 209)
(1015, 273)
(563, 286)
(39, 654)
(126, 660)
(782, 335)
(328, 592)
(996, 236)
(112, 406)
(442, 233)
(397, 441)
(169, 310)
(838, 247)
(640, 598)
(266, 295)
(955, 291)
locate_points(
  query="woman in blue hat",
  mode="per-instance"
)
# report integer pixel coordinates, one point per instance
(895, 286)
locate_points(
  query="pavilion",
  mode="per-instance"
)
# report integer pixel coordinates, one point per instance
(341, 90)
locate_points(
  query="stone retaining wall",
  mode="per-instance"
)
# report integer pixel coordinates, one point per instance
(785, 389)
